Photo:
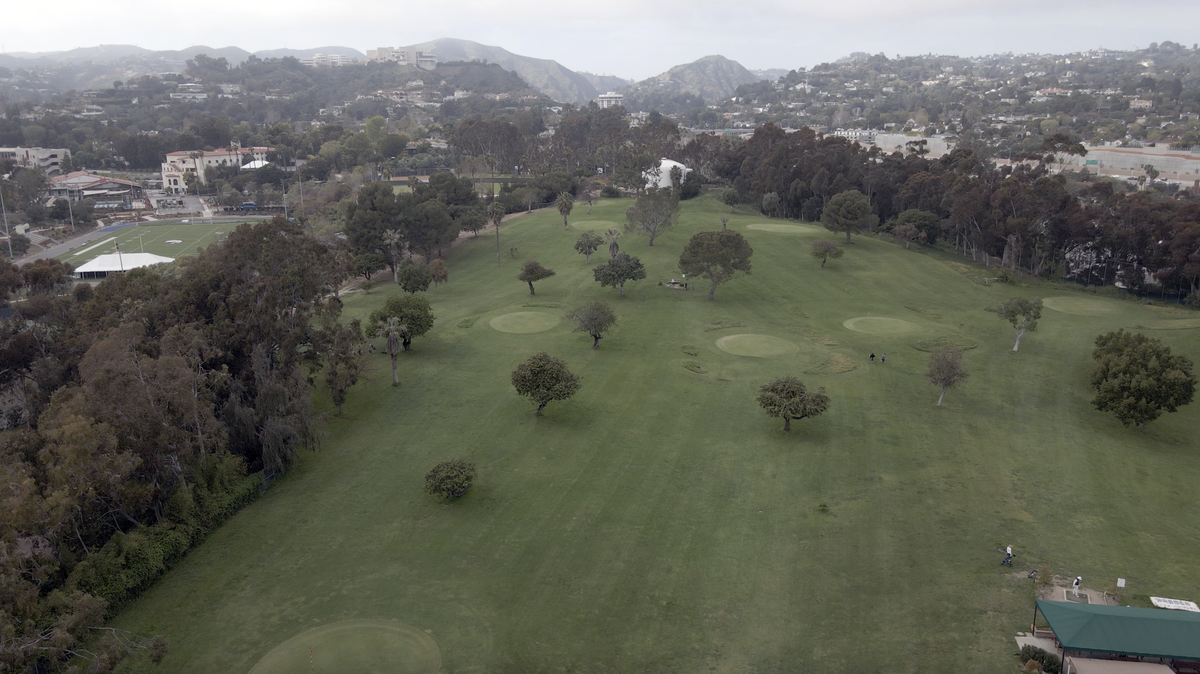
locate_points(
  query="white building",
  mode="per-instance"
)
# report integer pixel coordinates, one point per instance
(406, 55)
(48, 160)
(660, 176)
(195, 162)
(610, 100)
(327, 61)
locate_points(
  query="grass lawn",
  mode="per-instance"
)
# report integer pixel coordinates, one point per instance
(659, 521)
(153, 238)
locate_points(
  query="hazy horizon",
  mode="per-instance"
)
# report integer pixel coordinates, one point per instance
(628, 40)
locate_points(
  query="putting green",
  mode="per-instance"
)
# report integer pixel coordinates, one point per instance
(780, 228)
(1080, 306)
(879, 325)
(524, 322)
(594, 224)
(1177, 324)
(360, 646)
(759, 346)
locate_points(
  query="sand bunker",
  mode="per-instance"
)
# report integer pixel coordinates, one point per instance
(760, 346)
(780, 228)
(879, 325)
(524, 322)
(595, 224)
(1080, 306)
(360, 646)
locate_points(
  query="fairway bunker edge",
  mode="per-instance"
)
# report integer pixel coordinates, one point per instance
(882, 326)
(524, 322)
(360, 646)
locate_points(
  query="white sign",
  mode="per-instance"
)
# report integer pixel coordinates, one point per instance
(1177, 604)
(1120, 582)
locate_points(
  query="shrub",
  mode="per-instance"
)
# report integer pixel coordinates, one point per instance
(1049, 661)
(450, 479)
(609, 191)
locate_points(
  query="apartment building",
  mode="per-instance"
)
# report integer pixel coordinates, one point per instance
(49, 160)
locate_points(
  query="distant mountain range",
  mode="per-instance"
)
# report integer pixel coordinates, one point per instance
(712, 77)
(113, 53)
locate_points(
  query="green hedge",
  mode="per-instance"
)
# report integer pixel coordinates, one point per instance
(129, 562)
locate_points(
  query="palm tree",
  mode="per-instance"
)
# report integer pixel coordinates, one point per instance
(611, 236)
(496, 213)
(565, 202)
(394, 331)
(392, 238)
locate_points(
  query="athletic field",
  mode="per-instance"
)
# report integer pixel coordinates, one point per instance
(659, 521)
(169, 240)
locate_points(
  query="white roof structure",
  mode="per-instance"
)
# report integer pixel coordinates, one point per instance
(256, 164)
(663, 177)
(118, 262)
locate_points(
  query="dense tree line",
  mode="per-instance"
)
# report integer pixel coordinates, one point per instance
(143, 413)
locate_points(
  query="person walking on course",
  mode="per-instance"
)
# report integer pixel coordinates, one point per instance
(1008, 558)
(872, 356)
(883, 358)
(1075, 585)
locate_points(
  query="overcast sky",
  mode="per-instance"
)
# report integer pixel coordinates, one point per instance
(629, 38)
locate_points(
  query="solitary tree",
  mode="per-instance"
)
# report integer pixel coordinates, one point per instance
(654, 212)
(611, 236)
(716, 256)
(731, 198)
(392, 330)
(594, 318)
(787, 397)
(823, 250)
(587, 194)
(1022, 314)
(848, 212)
(946, 369)
(908, 234)
(543, 379)
(411, 311)
(588, 243)
(395, 242)
(565, 202)
(496, 213)
(620, 268)
(450, 479)
(1137, 378)
(532, 271)
(414, 276)
(438, 272)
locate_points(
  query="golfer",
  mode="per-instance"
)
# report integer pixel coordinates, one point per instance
(1075, 585)
(1008, 558)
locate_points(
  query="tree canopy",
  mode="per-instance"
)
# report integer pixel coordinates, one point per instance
(654, 212)
(946, 369)
(594, 318)
(848, 212)
(533, 271)
(543, 379)
(716, 256)
(1022, 314)
(588, 243)
(412, 312)
(788, 398)
(620, 268)
(1137, 378)
(823, 250)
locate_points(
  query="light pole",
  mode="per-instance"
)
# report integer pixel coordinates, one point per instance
(5, 212)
